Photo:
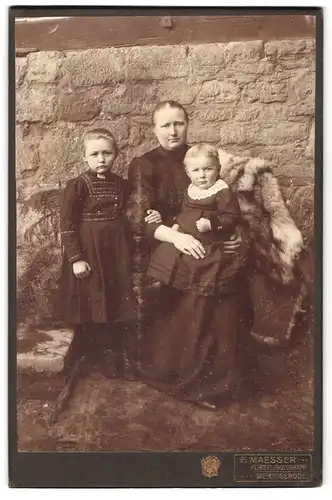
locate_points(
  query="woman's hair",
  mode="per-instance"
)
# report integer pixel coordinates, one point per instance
(170, 104)
(202, 149)
(100, 133)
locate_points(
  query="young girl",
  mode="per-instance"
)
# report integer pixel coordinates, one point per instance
(96, 288)
(210, 213)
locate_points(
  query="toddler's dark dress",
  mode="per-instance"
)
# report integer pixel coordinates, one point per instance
(94, 228)
(215, 273)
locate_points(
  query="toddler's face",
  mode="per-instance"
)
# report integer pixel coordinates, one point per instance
(99, 155)
(202, 171)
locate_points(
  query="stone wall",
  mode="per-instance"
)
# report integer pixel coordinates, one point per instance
(253, 98)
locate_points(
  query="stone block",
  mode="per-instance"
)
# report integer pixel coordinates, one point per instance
(289, 48)
(245, 114)
(44, 66)
(79, 106)
(47, 354)
(177, 90)
(203, 132)
(26, 153)
(282, 132)
(95, 66)
(157, 63)
(286, 66)
(301, 87)
(262, 133)
(219, 92)
(135, 136)
(205, 59)
(36, 104)
(60, 154)
(310, 150)
(212, 113)
(289, 160)
(20, 70)
(299, 111)
(265, 92)
(127, 98)
(247, 70)
(118, 126)
(249, 50)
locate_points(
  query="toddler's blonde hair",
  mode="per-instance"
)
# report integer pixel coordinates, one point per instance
(206, 149)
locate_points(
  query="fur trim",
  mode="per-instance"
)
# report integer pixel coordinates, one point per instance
(287, 236)
(259, 193)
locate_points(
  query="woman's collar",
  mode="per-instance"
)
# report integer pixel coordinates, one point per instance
(175, 154)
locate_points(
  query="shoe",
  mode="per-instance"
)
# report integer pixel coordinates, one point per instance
(130, 376)
(108, 371)
(108, 365)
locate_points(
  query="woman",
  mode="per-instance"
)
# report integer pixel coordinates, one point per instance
(187, 348)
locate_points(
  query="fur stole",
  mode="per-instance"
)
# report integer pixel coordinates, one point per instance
(277, 242)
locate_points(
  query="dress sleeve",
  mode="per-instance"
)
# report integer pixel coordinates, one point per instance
(126, 189)
(228, 212)
(142, 196)
(70, 215)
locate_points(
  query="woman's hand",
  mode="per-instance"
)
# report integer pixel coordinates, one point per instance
(153, 216)
(233, 244)
(81, 269)
(188, 245)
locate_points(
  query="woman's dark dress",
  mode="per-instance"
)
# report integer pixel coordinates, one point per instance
(193, 346)
(215, 274)
(94, 228)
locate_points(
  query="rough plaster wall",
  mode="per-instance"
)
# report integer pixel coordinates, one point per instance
(253, 98)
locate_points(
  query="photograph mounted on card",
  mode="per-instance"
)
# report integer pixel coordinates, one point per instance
(165, 314)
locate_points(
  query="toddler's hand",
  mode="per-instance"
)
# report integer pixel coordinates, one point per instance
(81, 269)
(153, 216)
(203, 225)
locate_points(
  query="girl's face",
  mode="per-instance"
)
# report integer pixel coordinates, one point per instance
(99, 155)
(170, 127)
(202, 171)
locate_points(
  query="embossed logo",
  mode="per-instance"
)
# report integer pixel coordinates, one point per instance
(210, 466)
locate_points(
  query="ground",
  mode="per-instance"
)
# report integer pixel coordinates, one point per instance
(117, 415)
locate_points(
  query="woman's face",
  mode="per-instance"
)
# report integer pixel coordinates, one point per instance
(171, 127)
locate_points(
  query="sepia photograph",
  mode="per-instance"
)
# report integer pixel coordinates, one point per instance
(166, 249)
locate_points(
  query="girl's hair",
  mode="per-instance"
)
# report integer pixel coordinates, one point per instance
(171, 104)
(100, 133)
(202, 149)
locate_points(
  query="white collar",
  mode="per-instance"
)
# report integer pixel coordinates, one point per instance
(200, 194)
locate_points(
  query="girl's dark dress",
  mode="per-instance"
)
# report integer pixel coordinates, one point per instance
(94, 228)
(218, 272)
(193, 346)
